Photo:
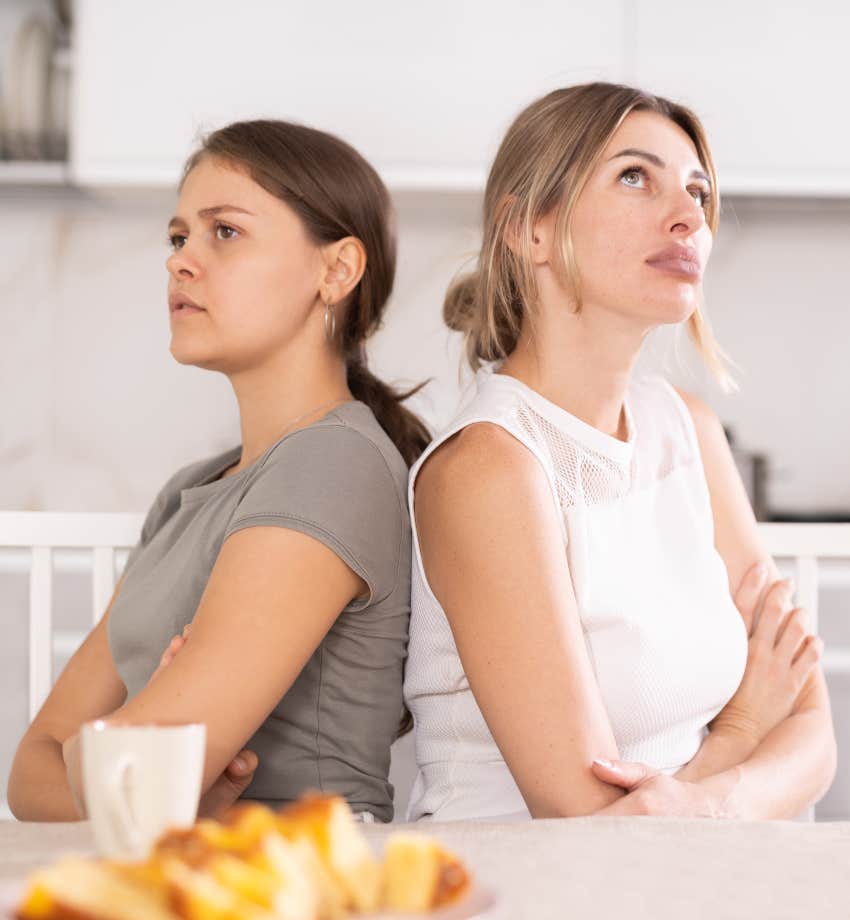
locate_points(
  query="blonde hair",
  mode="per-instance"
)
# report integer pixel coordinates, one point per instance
(542, 165)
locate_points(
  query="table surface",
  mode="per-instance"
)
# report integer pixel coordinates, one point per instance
(599, 867)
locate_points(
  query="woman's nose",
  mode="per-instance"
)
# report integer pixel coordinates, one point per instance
(687, 214)
(181, 264)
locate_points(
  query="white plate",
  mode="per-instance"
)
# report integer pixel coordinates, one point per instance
(477, 905)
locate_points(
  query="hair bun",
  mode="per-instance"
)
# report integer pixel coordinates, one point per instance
(460, 302)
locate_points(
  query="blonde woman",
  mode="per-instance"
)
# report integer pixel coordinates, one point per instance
(596, 626)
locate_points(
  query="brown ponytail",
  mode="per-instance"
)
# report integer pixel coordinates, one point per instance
(335, 193)
(406, 430)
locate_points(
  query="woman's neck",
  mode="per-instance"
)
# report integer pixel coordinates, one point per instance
(581, 362)
(280, 397)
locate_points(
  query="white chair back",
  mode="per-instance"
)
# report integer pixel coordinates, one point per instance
(42, 532)
(806, 546)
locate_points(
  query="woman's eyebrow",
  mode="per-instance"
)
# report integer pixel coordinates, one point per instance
(178, 221)
(656, 161)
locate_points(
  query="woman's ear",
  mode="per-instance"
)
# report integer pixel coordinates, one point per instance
(542, 239)
(344, 262)
(515, 231)
(506, 214)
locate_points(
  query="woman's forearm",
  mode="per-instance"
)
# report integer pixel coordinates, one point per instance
(38, 788)
(790, 769)
(782, 774)
(721, 750)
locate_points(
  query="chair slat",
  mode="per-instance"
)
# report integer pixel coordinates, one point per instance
(56, 528)
(41, 628)
(103, 580)
(105, 533)
(807, 588)
(826, 541)
(807, 596)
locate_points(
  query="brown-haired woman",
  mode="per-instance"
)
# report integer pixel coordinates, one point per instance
(289, 555)
(588, 576)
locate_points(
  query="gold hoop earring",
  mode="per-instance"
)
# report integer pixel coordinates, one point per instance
(330, 322)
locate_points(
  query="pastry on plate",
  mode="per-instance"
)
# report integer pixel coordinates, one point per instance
(310, 861)
(420, 875)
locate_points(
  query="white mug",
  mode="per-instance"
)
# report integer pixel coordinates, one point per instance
(138, 781)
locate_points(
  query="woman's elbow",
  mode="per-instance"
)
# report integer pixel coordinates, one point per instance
(589, 801)
(829, 761)
(13, 801)
(18, 797)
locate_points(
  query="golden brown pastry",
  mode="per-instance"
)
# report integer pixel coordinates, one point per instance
(328, 824)
(420, 875)
(83, 889)
(308, 862)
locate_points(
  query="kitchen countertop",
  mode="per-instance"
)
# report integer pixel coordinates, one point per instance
(600, 867)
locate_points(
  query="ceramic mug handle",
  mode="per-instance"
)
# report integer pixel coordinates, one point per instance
(118, 804)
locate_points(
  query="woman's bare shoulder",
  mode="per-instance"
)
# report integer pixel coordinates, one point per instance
(702, 414)
(481, 456)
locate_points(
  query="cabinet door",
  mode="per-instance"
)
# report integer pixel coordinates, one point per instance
(425, 91)
(770, 82)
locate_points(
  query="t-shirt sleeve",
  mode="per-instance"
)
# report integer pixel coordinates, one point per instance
(334, 484)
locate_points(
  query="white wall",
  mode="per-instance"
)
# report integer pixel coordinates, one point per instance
(95, 413)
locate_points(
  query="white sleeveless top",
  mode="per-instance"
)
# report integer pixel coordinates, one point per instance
(666, 642)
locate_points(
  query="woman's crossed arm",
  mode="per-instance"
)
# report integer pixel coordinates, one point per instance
(272, 596)
(759, 766)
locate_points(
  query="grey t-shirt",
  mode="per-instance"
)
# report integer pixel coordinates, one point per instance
(343, 482)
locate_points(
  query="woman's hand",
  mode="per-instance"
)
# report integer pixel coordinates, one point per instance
(780, 657)
(239, 772)
(229, 786)
(177, 642)
(649, 792)
(74, 772)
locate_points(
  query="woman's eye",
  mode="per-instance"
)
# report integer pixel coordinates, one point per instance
(228, 231)
(633, 177)
(222, 233)
(701, 196)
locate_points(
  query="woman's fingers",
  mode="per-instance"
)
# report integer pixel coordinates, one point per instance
(243, 764)
(230, 785)
(792, 635)
(777, 602)
(807, 658)
(750, 592)
(174, 646)
(622, 773)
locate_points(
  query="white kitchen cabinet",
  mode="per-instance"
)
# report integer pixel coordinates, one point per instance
(769, 80)
(424, 91)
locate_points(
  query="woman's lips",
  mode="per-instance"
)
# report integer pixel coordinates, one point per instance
(678, 267)
(185, 310)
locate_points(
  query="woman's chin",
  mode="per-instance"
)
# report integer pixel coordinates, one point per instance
(678, 308)
(184, 353)
(681, 313)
